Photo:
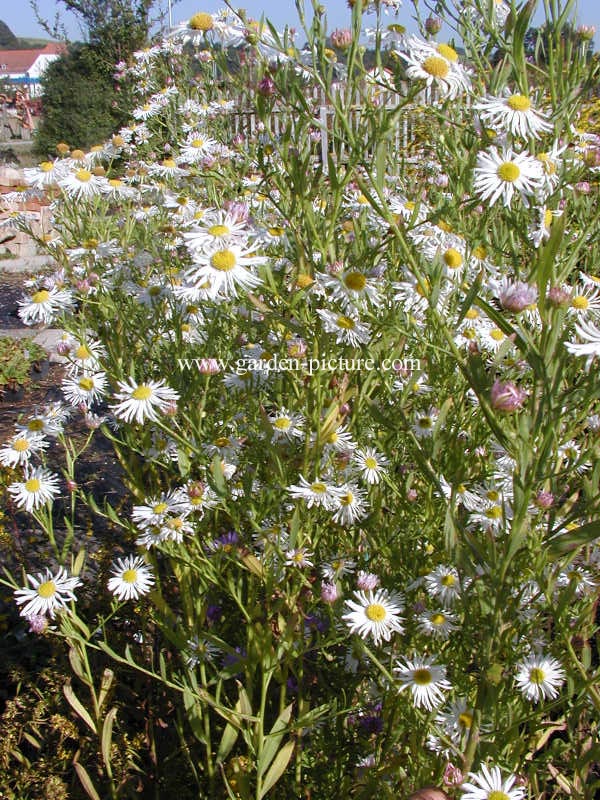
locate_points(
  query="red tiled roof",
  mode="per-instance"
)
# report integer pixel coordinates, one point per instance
(12, 61)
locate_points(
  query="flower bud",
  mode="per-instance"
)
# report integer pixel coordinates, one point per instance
(329, 592)
(544, 500)
(559, 296)
(266, 87)
(341, 38)
(433, 25)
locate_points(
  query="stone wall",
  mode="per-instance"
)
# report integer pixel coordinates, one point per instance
(22, 246)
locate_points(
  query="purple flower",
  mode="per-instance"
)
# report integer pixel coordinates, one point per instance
(516, 296)
(507, 396)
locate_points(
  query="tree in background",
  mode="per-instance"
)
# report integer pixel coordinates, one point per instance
(8, 40)
(81, 103)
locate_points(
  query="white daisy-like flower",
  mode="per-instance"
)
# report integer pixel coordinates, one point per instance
(539, 677)
(19, 449)
(44, 305)
(437, 65)
(371, 464)
(196, 147)
(47, 594)
(338, 566)
(131, 578)
(348, 330)
(439, 623)
(501, 174)
(50, 421)
(298, 557)
(443, 584)
(142, 401)
(216, 230)
(155, 511)
(374, 613)
(352, 506)
(318, 493)
(223, 271)
(487, 784)
(81, 183)
(85, 389)
(590, 346)
(287, 425)
(514, 113)
(424, 423)
(425, 679)
(39, 487)
(48, 173)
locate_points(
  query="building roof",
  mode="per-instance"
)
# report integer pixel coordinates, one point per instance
(20, 61)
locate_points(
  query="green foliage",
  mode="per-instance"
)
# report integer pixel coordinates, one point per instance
(79, 101)
(7, 37)
(17, 357)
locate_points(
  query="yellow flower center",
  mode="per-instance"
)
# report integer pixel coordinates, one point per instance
(198, 143)
(425, 422)
(345, 322)
(223, 260)
(41, 297)
(202, 22)
(35, 425)
(83, 175)
(47, 166)
(87, 384)
(436, 66)
(276, 231)
(46, 589)
(448, 580)
(508, 171)
(496, 794)
(347, 499)
(496, 334)
(493, 496)
(370, 463)
(169, 163)
(159, 508)
(580, 302)
(129, 576)
(318, 488)
(21, 445)
(33, 485)
(303, 281)
(142, 392)
(219, 230)
(495, 512)
(449, 53)
(355, 281)
(518, 102)
(115, 183)
(222, 441)
(438, 619)
(375, 612)
(537, 675)
(453, 258)
(422, 677)
(480, 252)
(82, 352)
(283, 423)
(472, 313)
(465, 720)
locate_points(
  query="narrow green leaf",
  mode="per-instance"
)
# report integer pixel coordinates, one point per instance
(228, 739)
(566, 541)
(78, 707)
(278, 767)
(273, 740)
(86, 781)
(106, 738)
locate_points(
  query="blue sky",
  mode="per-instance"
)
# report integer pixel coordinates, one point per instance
(21, 19)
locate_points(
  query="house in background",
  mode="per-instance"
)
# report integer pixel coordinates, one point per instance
(22, 69)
